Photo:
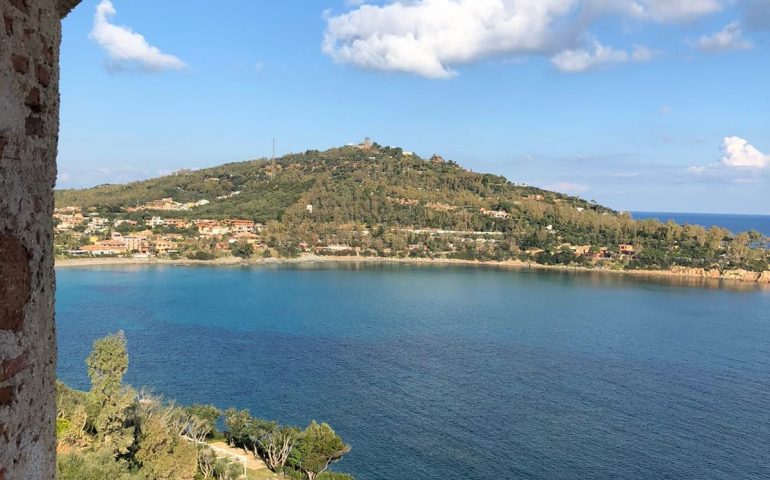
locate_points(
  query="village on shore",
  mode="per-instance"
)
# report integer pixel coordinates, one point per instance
(85, 233)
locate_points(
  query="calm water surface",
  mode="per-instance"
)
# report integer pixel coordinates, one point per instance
(461, 373)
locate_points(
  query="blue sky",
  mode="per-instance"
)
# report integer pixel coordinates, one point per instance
(638, 104)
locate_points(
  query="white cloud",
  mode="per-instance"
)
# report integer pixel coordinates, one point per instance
(739, 153)
(583, 59)
(430, 37)
(126, 48)
(664, 10)
(729, 38)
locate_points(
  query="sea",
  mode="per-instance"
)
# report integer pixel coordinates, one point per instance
(734, 223)
(433, 372)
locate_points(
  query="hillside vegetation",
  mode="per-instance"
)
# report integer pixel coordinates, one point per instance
(381, 201)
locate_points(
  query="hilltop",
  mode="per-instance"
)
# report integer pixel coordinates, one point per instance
(381, 201)
(369, 184)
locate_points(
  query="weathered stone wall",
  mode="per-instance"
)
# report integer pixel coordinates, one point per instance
(30, 34)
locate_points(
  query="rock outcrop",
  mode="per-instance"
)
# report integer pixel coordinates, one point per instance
(737, 275)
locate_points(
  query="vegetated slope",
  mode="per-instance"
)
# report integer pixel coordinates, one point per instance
(381, 199)
(374, 186)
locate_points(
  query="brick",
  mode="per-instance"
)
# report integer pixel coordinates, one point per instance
(6, 396)
(11, 368)
(43, 75)
(33, 100)
(21, 5)
(35, 127)
(14, 283)
(20, 63)
(8, 25)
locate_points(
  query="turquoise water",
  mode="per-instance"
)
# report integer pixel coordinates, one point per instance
(734, 223)
(467, 373)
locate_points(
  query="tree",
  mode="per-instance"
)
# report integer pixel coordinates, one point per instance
(107, 363)
(163, 454)
(242, 250)
(238, 423)
(276, 444)
(317, 447)
(97, 465)
(111, 407)
(203, 420)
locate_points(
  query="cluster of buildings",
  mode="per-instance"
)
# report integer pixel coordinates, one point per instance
(167, 205)
(93, 229)
(71, 218)
(139, 244)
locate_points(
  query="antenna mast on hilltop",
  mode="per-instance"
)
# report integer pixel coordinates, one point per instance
(273, 158)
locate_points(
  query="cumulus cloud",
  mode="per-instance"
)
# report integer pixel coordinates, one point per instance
(729, 38)
(739, 153)
(741, 162)
(432, 38)
(126, 48)
(583, 59)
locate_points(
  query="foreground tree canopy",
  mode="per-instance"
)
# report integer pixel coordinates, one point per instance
(115, 432)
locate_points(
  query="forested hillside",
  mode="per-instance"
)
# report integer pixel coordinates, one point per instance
(383, 201)
(371, 185)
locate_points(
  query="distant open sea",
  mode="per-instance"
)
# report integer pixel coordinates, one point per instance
(734, 223)
(448, 372)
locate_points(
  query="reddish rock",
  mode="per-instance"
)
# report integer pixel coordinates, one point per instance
(740, 275)
(14, 283)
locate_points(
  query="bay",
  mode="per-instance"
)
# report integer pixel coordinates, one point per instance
(449, 372)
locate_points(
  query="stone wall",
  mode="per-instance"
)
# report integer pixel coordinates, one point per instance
(30, 33)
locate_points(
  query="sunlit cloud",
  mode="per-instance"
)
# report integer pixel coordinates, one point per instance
(739, 153)
(433, 38)
(127, 49)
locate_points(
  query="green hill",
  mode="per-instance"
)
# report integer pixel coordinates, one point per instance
(320, 197)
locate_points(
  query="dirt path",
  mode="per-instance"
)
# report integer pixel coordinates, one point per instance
(224, 450)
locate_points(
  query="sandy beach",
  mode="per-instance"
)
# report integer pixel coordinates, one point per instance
(687, 276)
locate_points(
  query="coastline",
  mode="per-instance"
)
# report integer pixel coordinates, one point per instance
(689, 275)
